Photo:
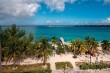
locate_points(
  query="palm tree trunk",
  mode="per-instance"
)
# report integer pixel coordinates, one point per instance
(74, 51)
(44, 60)
(90, 60)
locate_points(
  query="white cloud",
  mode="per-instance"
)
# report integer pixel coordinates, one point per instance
(17, 8)
(57, 4)
(107, 20)
(49, 21)
(106, 1)
(54, 22)
(24, 8)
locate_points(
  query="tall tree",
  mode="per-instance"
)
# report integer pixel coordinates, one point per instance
(14, 43)
(76, 46)
(91, 45)
(83, 48)
(73, 47)
(54, 40)
(60, 48)
(25, 43)
(44, 50)
(10, 42)
(105, 46)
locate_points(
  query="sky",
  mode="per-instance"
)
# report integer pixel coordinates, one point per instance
(54, 12)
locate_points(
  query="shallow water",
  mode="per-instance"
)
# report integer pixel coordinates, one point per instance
(69, 32)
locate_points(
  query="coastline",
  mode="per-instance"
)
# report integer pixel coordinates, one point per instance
(61, 54)
(69, 42)
(68, 32)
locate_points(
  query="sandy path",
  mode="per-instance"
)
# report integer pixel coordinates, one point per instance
(63, 58)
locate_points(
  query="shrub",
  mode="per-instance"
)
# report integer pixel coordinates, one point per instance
(93, 66)
(34, 71)
(84, 66)
(62, 65)
(69, 65)
(99, 65)
(25, 68)
(109, 66)
(80, 63)
(75, 56)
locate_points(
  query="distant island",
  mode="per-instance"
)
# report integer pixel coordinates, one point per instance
(92, 25)
(62, 25)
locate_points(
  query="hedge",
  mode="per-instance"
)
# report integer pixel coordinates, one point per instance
(100, 65)
(62, 65)
(26, 68)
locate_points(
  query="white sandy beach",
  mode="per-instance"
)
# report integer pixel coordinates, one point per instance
(62, 58)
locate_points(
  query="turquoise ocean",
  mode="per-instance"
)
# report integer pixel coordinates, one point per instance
(68, 32)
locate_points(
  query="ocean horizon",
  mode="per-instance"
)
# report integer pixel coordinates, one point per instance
(68, 32)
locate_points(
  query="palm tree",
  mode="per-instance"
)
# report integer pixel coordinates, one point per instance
(94, 47)
(44, 50)
(83, 48)
(105, 46)
(67, 48)
(60, 48)
(14, 43)
(91, 45)
(10, 42)
(25, 45)
(76, 46)
(54, 40)
(73, 47)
